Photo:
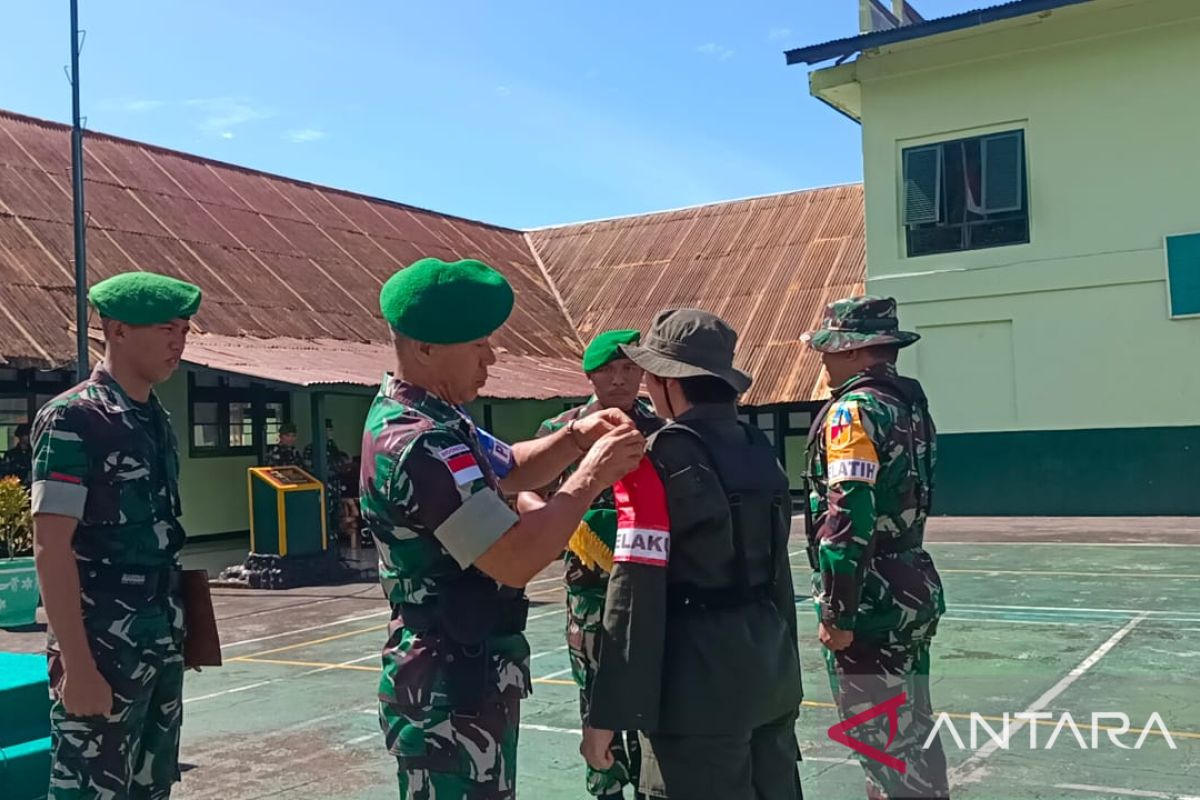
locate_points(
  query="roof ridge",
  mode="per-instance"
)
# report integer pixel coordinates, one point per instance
(696, 206)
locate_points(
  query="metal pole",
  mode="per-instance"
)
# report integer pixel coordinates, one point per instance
(81, 310)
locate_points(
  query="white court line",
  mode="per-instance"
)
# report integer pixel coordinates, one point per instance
(341, 621)
(549, 652)
(361, 739)
(971, 770)
(235, 690)
(1066, 608)
(1083, 787)
(527, 726)
(1069, 544)
(1001, 620)
(550, 613)
(558, 674)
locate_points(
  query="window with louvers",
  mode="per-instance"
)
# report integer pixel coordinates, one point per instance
(965, 194)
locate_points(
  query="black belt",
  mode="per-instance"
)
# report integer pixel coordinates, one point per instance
(891, 547)
(690, 597)
(144, 585)
(510, 616)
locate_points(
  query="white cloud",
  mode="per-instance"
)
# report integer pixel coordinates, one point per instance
(715, 50)
(779, 33)
(304, 135)
(223, 113)
(503, 91)
(136, 106)
(140, 106)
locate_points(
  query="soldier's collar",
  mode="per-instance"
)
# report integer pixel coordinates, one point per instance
(419, 398)
(874, 371)
(115, 397)
(710, 411)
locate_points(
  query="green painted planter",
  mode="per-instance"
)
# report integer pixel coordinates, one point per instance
(18, 592)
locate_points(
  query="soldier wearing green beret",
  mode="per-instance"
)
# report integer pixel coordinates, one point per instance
(284, 452)
(616, 382)
(106, 526)
(454, 556)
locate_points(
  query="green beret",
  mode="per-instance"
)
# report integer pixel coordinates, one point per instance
(606, 348)
(144, 298)
(439, 302)
(287, 427)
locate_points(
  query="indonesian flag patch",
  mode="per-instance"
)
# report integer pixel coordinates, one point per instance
(643, 524)
(462, 463)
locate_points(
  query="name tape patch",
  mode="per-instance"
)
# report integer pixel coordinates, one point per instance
(852, 469)
(640, 546)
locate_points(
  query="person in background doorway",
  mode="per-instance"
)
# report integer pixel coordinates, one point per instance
(18, 459)
(284, 452)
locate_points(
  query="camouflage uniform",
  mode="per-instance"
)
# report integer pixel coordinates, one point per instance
(586, 582)
(431, 500)
(336, 461)
(870, 471)
(112, 463)
(18, 461)
(279, 455)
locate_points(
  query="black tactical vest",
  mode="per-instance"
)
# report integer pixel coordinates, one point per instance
(756, 490)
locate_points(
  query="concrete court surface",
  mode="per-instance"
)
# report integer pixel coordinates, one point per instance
(1057, 615)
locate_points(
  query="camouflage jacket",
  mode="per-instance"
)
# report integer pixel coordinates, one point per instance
(870, 471)
(113, 464)
(432, 502)
(279, 455)
(588, 578)
(588, 563)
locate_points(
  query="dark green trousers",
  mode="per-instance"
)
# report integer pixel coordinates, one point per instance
(751, 765)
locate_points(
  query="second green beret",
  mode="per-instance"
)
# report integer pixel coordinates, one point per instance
(440, 302)
(144, 298)
(606, 348)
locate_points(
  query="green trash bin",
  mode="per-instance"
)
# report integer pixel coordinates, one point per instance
(19, 593)
(287, 512)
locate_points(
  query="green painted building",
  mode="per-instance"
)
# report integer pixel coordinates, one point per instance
(1030, 181)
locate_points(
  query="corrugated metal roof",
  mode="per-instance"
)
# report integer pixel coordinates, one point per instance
(277, 258)
(768, 265)
(291, 271)
(844, 48)
(330, 362)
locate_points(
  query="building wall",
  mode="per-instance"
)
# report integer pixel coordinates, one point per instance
(214, 489)
(1070, 332)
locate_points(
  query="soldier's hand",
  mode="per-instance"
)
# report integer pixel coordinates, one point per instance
(835, 639)
(596, 748)
(593, 426)
(85, 693)
(615, 455)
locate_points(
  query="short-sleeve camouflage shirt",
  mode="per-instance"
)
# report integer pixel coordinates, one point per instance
(113, 464)
(432, 502)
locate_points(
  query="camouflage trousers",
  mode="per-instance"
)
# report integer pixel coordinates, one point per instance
(585, 615)
(447, 755)
(867, 674)
(133, 753)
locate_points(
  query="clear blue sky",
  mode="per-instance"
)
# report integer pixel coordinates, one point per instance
(517, 113)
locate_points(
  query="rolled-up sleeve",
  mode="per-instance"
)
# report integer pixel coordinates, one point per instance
(60, 465)
(441, 480)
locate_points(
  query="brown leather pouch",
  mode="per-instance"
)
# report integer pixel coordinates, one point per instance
(202, 646)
